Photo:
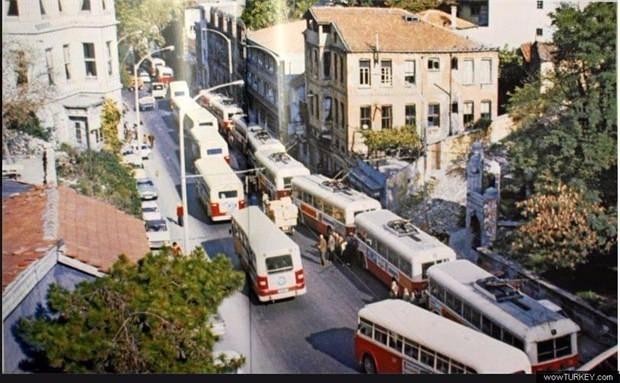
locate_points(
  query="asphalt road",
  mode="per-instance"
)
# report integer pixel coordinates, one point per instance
(309, 334)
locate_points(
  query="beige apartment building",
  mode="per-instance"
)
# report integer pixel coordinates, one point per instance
(383, 68)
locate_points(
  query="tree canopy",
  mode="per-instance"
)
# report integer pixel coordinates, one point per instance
(404, 140)
(149, 317)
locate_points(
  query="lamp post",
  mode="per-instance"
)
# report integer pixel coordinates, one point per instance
(135, 85)
(230, 71)
(182, 158)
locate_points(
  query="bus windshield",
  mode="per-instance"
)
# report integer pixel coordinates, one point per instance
(279, 263)
(211, 152)
(227, 194)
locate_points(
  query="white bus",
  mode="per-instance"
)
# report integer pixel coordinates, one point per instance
(397, 337)
(258, 139)
(271, 259)
(219, 189)
(327, 204)
(207, 143)
(239, 132)
(462, 291)
(178, 89)
(392, 247)
(224, 109)
(278, 169)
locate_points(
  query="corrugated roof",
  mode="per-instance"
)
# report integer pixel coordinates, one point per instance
(360, 26)
(283, 38)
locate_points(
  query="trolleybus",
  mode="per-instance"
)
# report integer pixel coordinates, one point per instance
(219, 189)
(224, 110)
(258, 139)
(278, 169)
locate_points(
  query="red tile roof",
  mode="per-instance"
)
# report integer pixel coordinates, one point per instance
(359, 27)
(443, 19)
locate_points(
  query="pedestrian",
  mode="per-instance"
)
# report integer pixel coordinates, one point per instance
(331, 246)
(322, 246)
(352, 253)
(406, 295)
(180, 214)
(176, 249)
(394, 289)
(413, 297)
(346, 259)
(145, 138)
(151, 140)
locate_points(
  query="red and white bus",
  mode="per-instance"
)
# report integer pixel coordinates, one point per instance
(277, 171)
(271, 259)
(392, 247)
(224, 109)
(258, 139)
(219, 189)
(327, 204)
(397, 337)
(470, 295)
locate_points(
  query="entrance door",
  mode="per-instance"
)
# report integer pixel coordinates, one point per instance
(79, 130)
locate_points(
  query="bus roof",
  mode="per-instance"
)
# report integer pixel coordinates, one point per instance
(281, 163)
(204, 134)
(260, 139)
(336, 193)
(185, 103)
(216, 172)
(201, 115)
(224, 103)
(415, 245)
(470, 347)
(522, 315)
(264, 237)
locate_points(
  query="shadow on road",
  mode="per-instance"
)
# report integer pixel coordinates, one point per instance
(337, 343)
(222, 246)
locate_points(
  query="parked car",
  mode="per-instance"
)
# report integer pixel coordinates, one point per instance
(156, 62)
(158, 90)
(150, 211)
(146, 103)
(144, 76)
(145, 151)
(157, 233)
(146, 188)
(218, 326)
(131, 158)
(135, 81)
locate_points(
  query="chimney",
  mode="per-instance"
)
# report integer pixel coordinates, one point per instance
(453, 16)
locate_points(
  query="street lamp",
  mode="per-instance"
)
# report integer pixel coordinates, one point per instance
(230, 71)
(182, 158)
(135, 85)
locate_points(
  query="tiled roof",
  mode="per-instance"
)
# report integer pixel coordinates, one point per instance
(22, 232)
(283, 39)
(360, 26)
(443, 19)
(96, 233)
(526, 51)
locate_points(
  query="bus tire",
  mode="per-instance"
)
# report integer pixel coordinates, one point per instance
(368, 364)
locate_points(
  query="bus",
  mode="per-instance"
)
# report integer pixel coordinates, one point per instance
(207, 143)
(278, 169)
(178, 89)
(220, 191)
(468, 294)
(224, 109)
(326, 204)
(271, 259)
(258, 139)
(392, 247)
(164, 74)
(394, 336)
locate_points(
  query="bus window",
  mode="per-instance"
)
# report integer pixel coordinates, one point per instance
(227, 194)
(396, 342)
(327, 209)
(427, 357)
(339, 214)
(456, 368)
(287, 182)
(562, 346)
(365, 328)
(443, 363)
(380, 335)
(215, 151)
(411, 349)
(496, 331)
(279, 263)
(405, 266)
(425, 267)
(486, 325)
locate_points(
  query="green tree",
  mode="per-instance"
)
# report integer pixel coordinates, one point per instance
(259, 14)
(110, 120)
(149, 317)
(403, 141)
(511, 75)
(413, 6)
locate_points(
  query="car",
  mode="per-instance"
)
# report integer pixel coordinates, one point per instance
(227, 355)
(133, 81)
(158, 90)
(218, 326)
(146, 188)
(157, 233)
(144, 76)
(150, 211)
(146, 103)
(145, 151)
(131, 158)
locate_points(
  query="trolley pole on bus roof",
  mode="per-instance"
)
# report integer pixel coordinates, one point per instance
(182, 163)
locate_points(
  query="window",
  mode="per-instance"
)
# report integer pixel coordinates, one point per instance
(427, 357)
(380, 335)
(227, 194)
(96, 132)
(89, 59)
(468, 72)
(65, 52)
(49, 64)
(433, 115)
(396, 342)
(412, 349)
(78, 132)
(342, 70)
(342, 117)
(86, 5)
(365, 328)
(336, 64)
(433, 64)
(327, 64)
(485, 109)
(364, 72)
(108, 45)
(279, 263)
(405, 266)
(386, 117)
(468, 113)
(386, 72)
(455, 107)
(315, 63)
(485, 71)
(409, 72)
(13, 10)
(454, 63)
(539, 31)
(41, 8)
(365, 122)
(410, 116)
(554, 348)
(539, 4)
(443, 364)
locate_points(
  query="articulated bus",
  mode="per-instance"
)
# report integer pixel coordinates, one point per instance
(327, 204)
(219, 189)
(464, 292)
(224, 110)
(392, 247)
(271, 259)
(279, 168)
(394, 336)
(260, 140)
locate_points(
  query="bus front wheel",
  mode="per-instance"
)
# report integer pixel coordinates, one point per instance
(369, 365)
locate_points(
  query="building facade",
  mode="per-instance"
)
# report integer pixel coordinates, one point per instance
(382, 68)
(67, 49)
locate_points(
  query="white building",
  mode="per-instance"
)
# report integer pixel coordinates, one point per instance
(70, 48)
(510, 22)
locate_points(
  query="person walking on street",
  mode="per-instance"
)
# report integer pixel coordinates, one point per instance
(176, 249)
(322, 245)
(151, 140)
(394, 289)
(343, 251)
(331, 246)
(180, 214)
(406, 295)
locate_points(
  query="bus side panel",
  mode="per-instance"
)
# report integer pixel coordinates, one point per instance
(557, 364)
(386, 362)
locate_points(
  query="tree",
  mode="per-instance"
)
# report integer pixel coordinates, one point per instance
(511, 74)
(404, 140)
(259, 14)
(563, 229)
(110, 120)
(149, 317)
(413, 6)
